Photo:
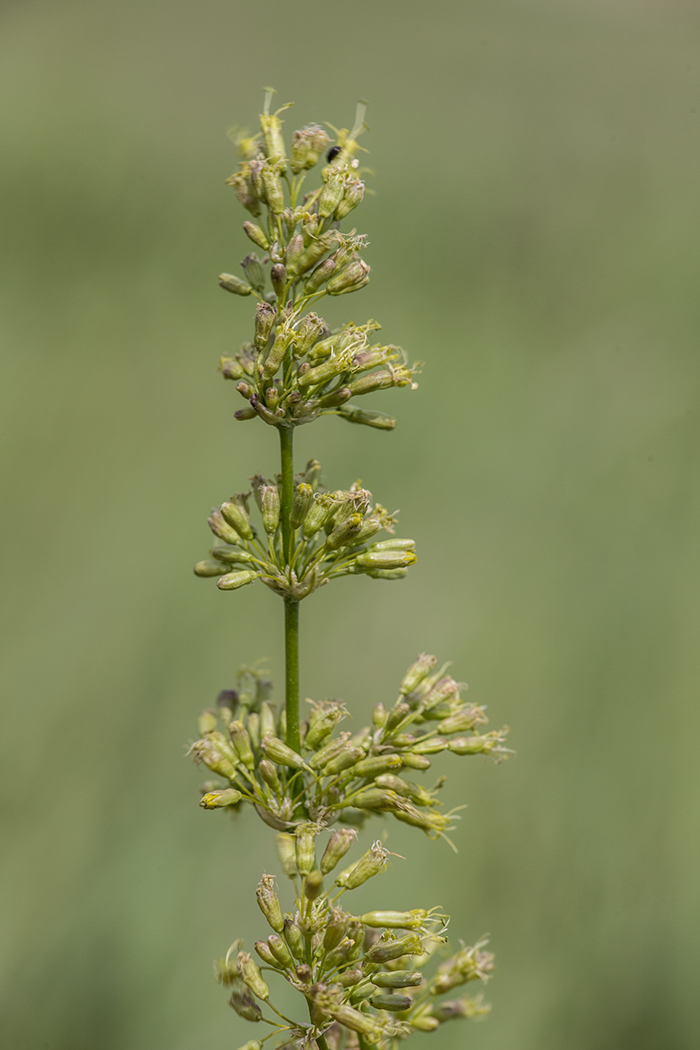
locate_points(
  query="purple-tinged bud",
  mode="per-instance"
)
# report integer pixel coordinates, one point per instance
(243, 1002)
(351, 279)
(209, 568)
(244, 413)
(278, 276)
(220, 799)
(234, 284)
(265, 315)
(244, 389)
(256, 235)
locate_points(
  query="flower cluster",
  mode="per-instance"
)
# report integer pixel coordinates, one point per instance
(332, 535)
(296, 368)
(338, 776)
(361, 975)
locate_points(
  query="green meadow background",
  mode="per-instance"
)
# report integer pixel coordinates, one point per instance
(534, 239)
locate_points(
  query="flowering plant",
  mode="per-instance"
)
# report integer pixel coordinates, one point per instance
(361, 977)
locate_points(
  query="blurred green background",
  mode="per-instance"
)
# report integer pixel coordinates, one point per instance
(534, 238)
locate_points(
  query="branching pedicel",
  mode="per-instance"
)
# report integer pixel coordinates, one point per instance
(360, 976)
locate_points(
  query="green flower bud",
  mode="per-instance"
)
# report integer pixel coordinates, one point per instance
(256, 235)
(383, 951)
(207, 722)
(267, 718)
(363, 991)
(268, 773)
(234, 284)
(313, 885)
(245, 413)
(220, 799)
(250, 972)
(406, 788)
(273, 189)
(280, 951)
(334, 398)
(316, 516)
(378, 798)
(344, 532)
(286, 851)
(269, 904)
(394, 544)
(323, 373)
(233, 580)
(398, 979)
(395, 1003)
(417, 672)
(396, 715)
(209, 568)
(230, 368)
(464, 719)
(233, 556)
(354, 192)
(338, 845)
(479, 745)
(318, 277)
(263, 950)
(401, 920)
(253, 272)
(336, 929)
(271, 126)
(222, 530)
(356, 1021)
(367, 384)
(293, 252)
(386, 574)
(331, 193)
(425, 1023)
(383, 559)
(322, 721)
(416, 761)
(241, 742)
(243, 1002)
(369, 864)
(429, 822)
(311, 327)
(253, 727)
(347, 979)
(329, 751)
(265, 315)
(283, 755)
(343, 760)
(295, 939)
(214, 757)
(300, 504)
(430, 746)
(371, 767)
(318, 248)
(236, 515)
(278, 277)
(270, 509)
(379, 715)
(463, 1007)
(307, 146)
(379, 420)
(351, 279)
(306, 848)
(244, 191)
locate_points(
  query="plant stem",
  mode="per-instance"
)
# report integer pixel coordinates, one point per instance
(291, 608)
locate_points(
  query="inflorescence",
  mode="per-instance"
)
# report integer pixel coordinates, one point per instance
(361, 976)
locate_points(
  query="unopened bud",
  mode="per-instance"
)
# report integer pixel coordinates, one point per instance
(398, 979)
(243, 1002)
(263, 950)
(265, 315)
(293, 252)
(230, 368)
(256, 235)
(209, 568)
(393, 920)
(377, 764)
(286, 852)
(395, 1003)
(416, 761)
(317, 249)
(331, 193)
(300, 504)
(250, 972)
(431, 746)
(306, 848)
(313, 885)
(385, 950)
(233, 556)
(343, 760)
(280, 951)
(379, 715)
(253, 272)
(316, 517)
(417, 672)
(234, 284)
(379, 559)
(294, 938)
(351, 279)
(318, 277)
(283, 755)
(329, 751)
(307, 146)
(479, 745)
(220, 799)
(268, 772)
(273, 189)
(278, 276)
(269, 904)
(354, 192)
(236, 515)
(379, 420)
(270, 499)
(233, 580)
(338, 845)
(396, 716)
(405, 788)
(425, 1023)
(344, 532)
(241, 742)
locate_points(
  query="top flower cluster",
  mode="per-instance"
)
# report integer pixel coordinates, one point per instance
(297, 368)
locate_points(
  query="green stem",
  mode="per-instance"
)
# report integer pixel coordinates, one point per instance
(291, 608)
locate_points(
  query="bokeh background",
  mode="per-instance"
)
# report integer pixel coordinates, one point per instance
(534, 239)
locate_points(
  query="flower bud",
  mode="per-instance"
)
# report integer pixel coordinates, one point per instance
(306, 848)
(280, 951)
(317, 249)
(316, 517)
(351, 279)
(286, 852)
(378, 559)
(214, 757)
(394, 544)
(336, 928)
(236, 515)
(263, 950)
(313, 885)
(294, 938)
(207, 722)
(278, 276)
(396, 715)
(209, 568)
(417, 672)
(369, 864)
(379, 420)
(318, 277)
(343, 760)
(344, 532)
(385, 950)
(231, 368)
(322, 721)
(233, 580)
(363, 991)
(293, 252)
(379, 715)
(334, 398)
(243, 1002)
(405, 788)
(338, 845)
(283, 755)
(222, 530)
(478, 745)
(244, 413)
(300, 504)
(373, 766)
(416, 761)
(234, 284)
(425, 1023)
(267, 718)
(466, 718)
(253, 272)
(397, 979)
(329, 751)
(253, 727)
(307, 146)
(250, 972)
(265, 315)
(331, 193)
(220, 799)
(401, 920)
(311, 327)
(269, 904)
(270, 509)
(356, 1021)
(256, 235)
(233, 556)
(273, 189)
(241, 742)
(268, 773)
(430, 746)
(354, 192)
(348, 978)
(395, 1003)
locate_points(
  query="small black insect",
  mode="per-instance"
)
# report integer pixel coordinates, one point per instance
(332, 153)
